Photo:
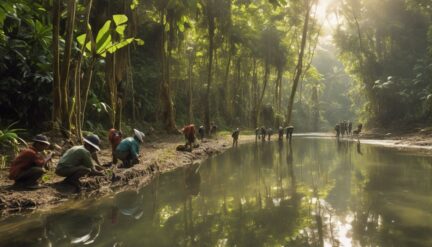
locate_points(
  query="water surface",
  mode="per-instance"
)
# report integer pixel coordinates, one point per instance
(315, 192)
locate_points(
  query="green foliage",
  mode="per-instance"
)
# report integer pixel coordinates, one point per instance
(9, 138)
(25, 58)
(387, 53)
(104, 40)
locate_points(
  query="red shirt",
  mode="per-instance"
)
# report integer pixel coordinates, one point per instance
(114, 137)
(189, 131)
(26, 159)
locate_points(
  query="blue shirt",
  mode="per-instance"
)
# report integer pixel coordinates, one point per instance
(129, 145)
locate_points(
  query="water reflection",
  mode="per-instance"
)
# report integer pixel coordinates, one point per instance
(307, 193)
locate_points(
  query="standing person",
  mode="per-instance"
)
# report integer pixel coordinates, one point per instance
(342, 128)
(114, 138)
(128, 151)
(289, 132)
(201, 132)
(349, 127)
(263, 133)
(269, 133)
(281, 133)
(189, 133)
(213, 128)
(358, 130)
(337, 129)
(28, 167)
(257, 134)
(235, 136)
(76, 162)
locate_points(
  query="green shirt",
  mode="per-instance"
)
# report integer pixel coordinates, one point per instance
(76, 156)
(129, 145)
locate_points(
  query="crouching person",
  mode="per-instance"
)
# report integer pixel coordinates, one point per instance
(28, 167)
(128, 149)
(189, 133)
(76, 162)
(114, 137)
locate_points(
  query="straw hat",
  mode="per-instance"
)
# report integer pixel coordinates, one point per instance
(139, 135)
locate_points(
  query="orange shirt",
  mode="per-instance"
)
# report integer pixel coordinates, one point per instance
(26, 159)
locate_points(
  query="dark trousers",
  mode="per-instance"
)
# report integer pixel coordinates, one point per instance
(127, 158)
(30, 176)
(73, 173)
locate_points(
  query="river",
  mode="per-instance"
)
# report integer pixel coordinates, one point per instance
(314, 192)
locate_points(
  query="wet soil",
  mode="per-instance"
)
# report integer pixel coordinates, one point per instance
(157, 157)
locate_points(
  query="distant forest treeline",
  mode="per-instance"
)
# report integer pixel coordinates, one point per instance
(73, 65)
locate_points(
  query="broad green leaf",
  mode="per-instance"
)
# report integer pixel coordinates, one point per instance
(120, 19)
(81, 39)
(119, 45)
(103, 39)
(120, 30)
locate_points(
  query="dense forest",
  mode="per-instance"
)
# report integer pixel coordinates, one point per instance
(73, 65)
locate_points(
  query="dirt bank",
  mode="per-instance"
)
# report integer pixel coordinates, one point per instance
(158, 157)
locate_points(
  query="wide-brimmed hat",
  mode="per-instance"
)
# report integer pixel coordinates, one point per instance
(42, 139)
(139, 135)
(93, 140)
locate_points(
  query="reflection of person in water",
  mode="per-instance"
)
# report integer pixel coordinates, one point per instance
(73, 228)
(128, 203)
(192, 180)
(359, 148)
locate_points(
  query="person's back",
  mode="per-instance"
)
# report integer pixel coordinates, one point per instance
(281, 132)
(337, 129)
(128, 144)
(201, 132)
(235, 136)
(269, 133)
(75, 156)
(189, 133)
(263, 133)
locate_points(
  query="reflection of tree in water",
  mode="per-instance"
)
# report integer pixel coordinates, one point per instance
(308, 195)
(192, 182)
(34, 236)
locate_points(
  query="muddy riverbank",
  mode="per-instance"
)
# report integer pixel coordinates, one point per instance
(158, 157)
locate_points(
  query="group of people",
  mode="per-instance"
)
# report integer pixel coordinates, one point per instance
(81, 160)
(189, 132)
(346, 128)
(263, 132)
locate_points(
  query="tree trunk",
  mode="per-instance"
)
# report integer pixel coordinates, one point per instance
(78, 94)
(299, 68)
(86, 86)
(226, 89)
(190, 95)
(166, 100)
(279, 99)
(66, 64)
(315, 108)
(211, 30)
(254, 94)
(57, 107)
(260, 100)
